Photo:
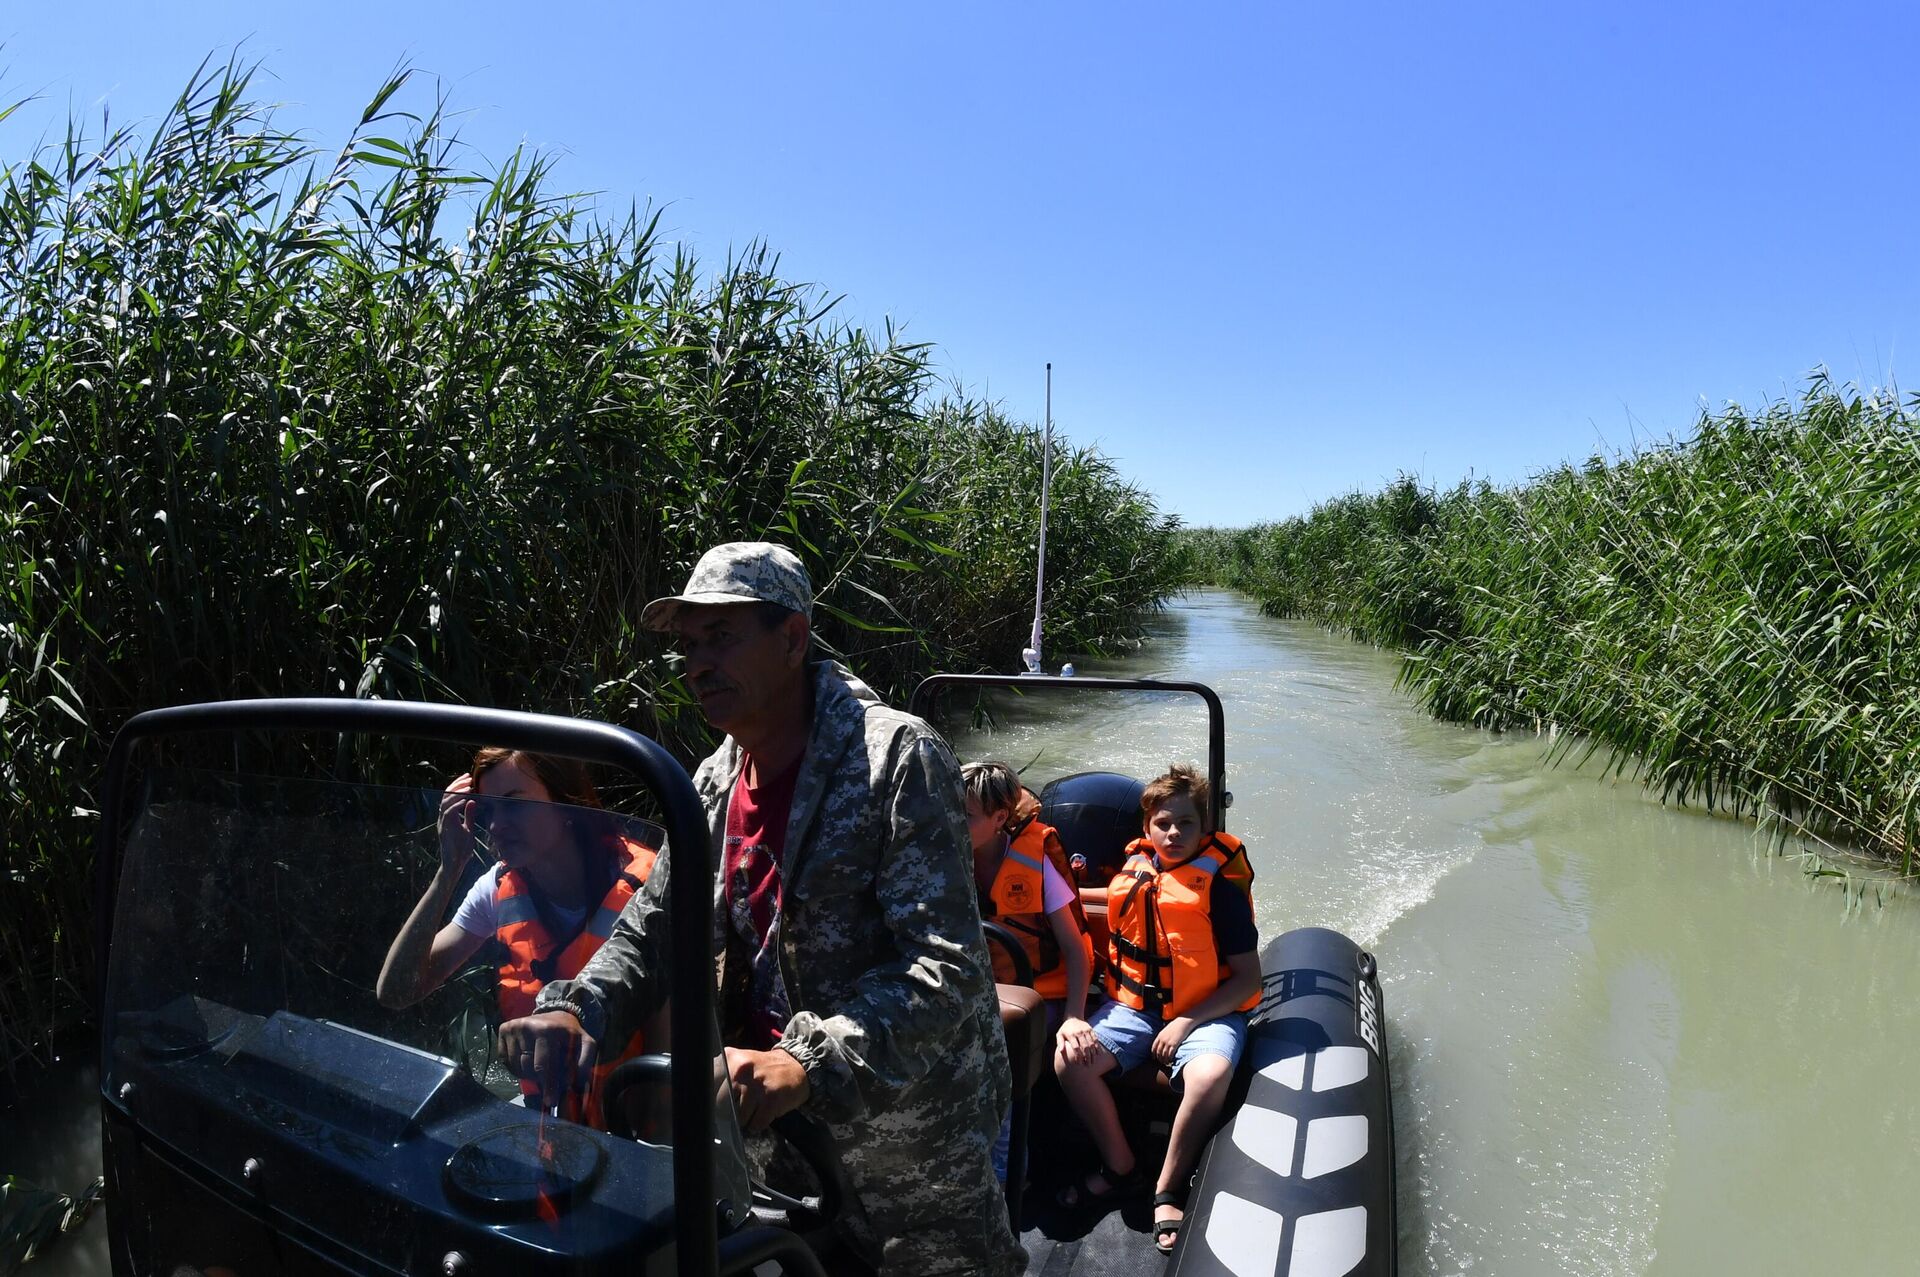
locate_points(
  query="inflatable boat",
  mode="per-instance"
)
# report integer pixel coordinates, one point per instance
(1299, 1179)
(262, 1113)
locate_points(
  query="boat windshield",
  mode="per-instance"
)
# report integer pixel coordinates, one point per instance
(247, 1041)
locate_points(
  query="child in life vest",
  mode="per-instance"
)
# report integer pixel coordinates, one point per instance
(1020, 870)
(1184, 971)
(562, 876)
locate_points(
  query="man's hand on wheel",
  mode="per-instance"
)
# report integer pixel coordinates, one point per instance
(767, 1085)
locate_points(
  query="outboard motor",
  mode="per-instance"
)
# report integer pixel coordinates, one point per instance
(1097, 814)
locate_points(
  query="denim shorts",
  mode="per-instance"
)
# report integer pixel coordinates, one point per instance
(1129, 1034)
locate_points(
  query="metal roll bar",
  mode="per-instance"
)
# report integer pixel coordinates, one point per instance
(1048, 684)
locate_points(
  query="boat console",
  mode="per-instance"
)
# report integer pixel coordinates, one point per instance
(262, 1112)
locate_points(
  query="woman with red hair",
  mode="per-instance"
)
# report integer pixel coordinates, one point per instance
(562, 876)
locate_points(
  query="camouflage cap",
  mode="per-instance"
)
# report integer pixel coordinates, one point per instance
(738, 572)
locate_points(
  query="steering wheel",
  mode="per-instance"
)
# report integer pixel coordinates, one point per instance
(812, 1216)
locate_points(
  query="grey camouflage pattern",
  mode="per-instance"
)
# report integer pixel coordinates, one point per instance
(738, 572)
(881, 945)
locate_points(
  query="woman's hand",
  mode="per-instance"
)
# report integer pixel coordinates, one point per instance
(1168, 1040)
(456, 824)
(1077, 1043)
(551, 1050)
(421, 958)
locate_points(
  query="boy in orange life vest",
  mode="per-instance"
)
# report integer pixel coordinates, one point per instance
(563, 875)
(1184, 970)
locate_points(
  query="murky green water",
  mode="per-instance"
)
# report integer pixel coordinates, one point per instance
(1626, 1039)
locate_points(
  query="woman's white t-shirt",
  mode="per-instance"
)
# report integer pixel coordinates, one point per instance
(1055, 894)
(479, 912)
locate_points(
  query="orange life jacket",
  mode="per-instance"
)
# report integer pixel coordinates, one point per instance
(1018, 903)
(1160, 929)
(531, 956)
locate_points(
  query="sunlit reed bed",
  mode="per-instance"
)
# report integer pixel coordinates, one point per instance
(392, 422)
(1732, 615)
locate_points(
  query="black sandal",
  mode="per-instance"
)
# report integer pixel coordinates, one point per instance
(1166, 1232)
(1079, 1193)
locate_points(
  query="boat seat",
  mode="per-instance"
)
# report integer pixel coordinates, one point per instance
(1095, 907)
(1023, 1018)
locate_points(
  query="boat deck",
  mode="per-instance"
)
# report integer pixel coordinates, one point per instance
(1116, 1244)
(1102, 1241)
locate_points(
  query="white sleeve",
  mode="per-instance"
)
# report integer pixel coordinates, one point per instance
(477, 915)
(1055, 894)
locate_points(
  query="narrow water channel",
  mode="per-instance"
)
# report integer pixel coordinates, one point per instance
(1626, 1039)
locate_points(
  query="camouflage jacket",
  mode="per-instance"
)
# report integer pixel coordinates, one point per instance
(880, 944)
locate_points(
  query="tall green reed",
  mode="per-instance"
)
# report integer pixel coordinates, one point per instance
(380, 423)
(1728, 616)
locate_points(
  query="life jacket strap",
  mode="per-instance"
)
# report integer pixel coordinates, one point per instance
(1128, 949)
(1139, 881)
(1153, 995)
(1049, 957)
(1020, 857)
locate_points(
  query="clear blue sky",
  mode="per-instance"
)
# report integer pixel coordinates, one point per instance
(1275, 251)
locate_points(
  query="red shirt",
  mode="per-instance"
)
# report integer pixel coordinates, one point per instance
(756, 844)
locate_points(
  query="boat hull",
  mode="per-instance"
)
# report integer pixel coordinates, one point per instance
(1300, 1181)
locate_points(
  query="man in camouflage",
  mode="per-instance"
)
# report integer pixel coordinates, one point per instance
(854, 980)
